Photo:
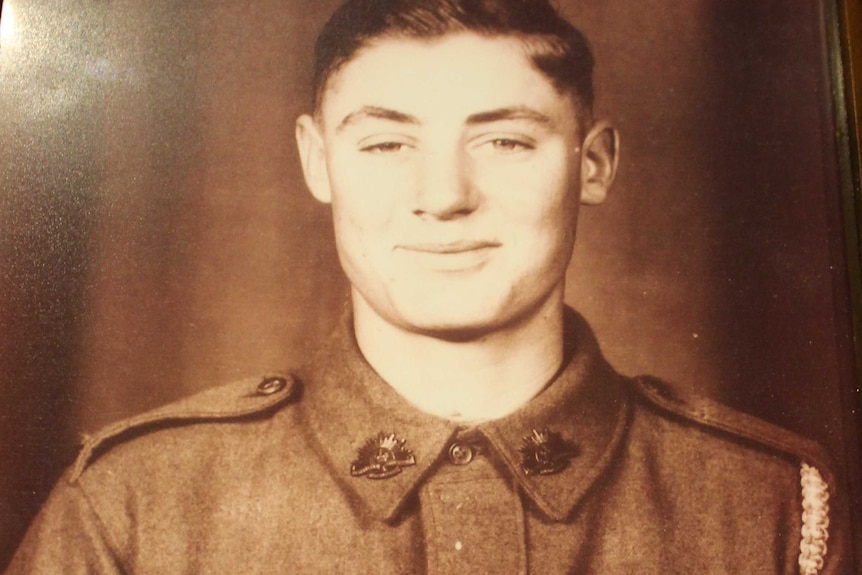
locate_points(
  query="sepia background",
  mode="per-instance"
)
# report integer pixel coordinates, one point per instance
(156, 237)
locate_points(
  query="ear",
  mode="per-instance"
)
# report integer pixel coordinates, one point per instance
(599, 163)
(312, 155)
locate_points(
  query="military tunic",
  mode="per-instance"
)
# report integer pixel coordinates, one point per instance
(327, 470)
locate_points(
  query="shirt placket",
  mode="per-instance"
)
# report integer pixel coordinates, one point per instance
(472, 516)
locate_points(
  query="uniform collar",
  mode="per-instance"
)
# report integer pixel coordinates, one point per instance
(346, 403)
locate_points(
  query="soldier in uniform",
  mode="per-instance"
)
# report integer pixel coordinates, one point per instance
(462, 418)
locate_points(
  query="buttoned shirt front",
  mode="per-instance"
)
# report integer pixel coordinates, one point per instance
(275, 481)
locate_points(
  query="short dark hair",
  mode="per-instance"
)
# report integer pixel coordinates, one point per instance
(556, 48)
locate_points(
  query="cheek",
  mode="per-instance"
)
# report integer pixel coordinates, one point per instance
(364, 199)
(539, 197)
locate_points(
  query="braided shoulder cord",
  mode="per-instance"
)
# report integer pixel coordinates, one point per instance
(815, 520)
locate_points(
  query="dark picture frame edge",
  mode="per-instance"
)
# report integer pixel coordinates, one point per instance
(843, 35)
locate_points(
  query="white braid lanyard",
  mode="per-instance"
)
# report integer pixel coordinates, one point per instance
(815, 520)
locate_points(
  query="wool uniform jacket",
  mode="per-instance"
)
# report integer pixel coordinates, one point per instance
(327, 470)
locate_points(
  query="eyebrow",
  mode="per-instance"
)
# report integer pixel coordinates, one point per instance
(378, 113)
(498, 115)
(513, 113)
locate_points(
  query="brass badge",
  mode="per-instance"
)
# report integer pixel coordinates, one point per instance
(381, 457)
(545, 452)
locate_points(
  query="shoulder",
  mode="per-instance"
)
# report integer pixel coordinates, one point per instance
(725, 425)
(723, 454)
(246, 400)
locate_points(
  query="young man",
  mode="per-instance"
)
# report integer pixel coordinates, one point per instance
(463, 419)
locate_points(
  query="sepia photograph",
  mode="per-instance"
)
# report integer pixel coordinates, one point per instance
(430, 286)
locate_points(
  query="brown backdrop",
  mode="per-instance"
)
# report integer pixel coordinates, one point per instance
(156, 237)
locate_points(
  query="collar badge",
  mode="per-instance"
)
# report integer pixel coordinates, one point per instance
(382, 457)
(545, 452)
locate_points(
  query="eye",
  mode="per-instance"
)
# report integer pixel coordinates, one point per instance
(383, 148)
(510, 145)
(503, 144)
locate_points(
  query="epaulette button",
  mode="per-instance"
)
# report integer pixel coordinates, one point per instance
(660, 389)
(271, 385)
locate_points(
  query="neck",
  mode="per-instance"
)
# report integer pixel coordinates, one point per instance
(480, 379)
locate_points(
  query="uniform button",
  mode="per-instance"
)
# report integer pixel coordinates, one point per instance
(460, 453)
(271, 385)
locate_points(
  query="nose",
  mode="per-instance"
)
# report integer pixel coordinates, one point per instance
(445, 189)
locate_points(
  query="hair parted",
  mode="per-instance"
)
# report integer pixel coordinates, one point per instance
(556, 48)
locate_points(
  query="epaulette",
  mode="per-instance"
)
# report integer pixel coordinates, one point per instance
(241, 399)
(708, 413)
(815, 476)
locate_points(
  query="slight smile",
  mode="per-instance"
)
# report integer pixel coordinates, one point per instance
(449, 256)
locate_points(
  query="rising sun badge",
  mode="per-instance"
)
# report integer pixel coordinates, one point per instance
(545, 452)
(381, 457)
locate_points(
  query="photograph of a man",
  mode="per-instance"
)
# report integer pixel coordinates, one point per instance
(462, 418)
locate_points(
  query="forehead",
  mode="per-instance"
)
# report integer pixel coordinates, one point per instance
(455, 75)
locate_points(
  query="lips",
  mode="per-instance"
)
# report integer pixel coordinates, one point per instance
(456, 247)
(449, 256)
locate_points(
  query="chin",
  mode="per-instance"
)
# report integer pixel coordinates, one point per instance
(454, 323)
(454, 332)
